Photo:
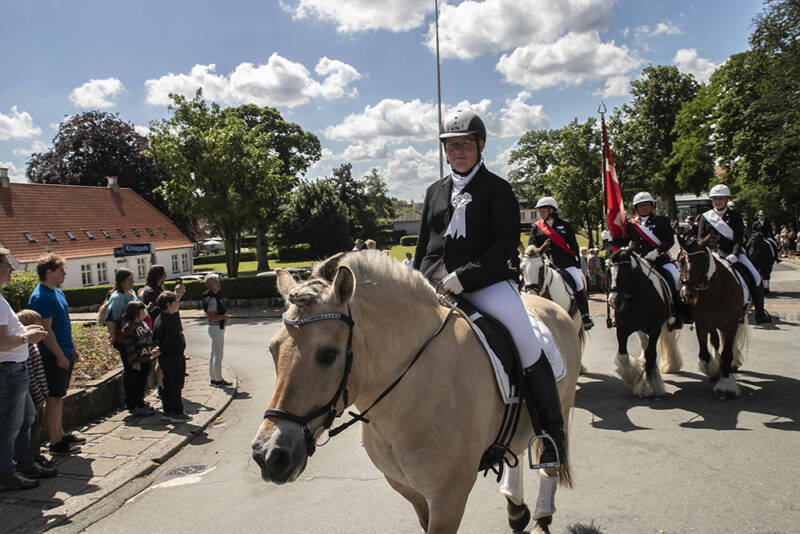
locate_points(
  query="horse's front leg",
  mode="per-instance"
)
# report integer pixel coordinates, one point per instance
(708, 366)
(513, 488)
(650, 383)
(727, 386)
(416, 499)
(628, 371)
(447, 507)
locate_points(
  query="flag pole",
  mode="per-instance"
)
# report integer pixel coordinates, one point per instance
(439, 91)
(602, 110)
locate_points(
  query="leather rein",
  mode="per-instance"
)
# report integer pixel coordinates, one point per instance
(329, 409)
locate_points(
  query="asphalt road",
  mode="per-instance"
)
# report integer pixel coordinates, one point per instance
(683, 463)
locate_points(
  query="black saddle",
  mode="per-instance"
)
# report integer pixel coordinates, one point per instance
(500, 341)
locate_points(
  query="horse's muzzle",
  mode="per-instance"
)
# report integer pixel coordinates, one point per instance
(281, 453)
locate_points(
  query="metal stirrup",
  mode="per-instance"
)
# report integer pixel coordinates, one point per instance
(542, 465)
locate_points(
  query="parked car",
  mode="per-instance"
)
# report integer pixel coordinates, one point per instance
(202, 275)
(298, 273)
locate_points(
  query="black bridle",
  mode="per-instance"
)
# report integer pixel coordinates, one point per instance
(329, 409)
(697, 285)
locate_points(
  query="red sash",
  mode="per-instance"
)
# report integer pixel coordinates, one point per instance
(641, 232)
(554, 236)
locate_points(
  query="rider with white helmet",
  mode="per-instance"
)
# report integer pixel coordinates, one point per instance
(563, 250)
(727, 230)
(653, 237)
(469, 229)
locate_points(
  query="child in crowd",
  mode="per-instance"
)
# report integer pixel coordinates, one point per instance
(39, 392)
(140, 349)
(168, 334)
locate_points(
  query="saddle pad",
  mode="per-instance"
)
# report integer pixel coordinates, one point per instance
(498, 356)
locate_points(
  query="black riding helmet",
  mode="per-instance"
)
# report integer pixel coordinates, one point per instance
(462, 122)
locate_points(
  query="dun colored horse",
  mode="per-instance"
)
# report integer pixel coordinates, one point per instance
(718, 309)
(350, 332)
(640, 302)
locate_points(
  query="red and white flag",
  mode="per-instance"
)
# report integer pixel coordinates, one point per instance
(616, 224)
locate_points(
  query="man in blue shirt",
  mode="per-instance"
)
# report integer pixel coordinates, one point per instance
(58, 351)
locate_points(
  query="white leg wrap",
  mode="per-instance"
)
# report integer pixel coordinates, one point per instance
(546, 503)
(512, 485)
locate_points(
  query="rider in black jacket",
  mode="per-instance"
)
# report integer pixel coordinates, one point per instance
(563, 258)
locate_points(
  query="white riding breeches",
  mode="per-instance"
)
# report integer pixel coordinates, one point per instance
(501, 300)
(676, 275)
(576, 275)
(744, 260)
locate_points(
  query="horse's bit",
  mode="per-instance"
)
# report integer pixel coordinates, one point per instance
(329, 409)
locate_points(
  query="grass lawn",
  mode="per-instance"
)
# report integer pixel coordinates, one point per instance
(398, 252)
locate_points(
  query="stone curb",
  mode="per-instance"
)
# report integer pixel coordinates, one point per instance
(143, 464)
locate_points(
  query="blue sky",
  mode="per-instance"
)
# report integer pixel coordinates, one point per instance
(360, 74)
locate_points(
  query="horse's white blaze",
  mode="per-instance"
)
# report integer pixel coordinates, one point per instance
(546, 503)
(728, 386)
(512, 485)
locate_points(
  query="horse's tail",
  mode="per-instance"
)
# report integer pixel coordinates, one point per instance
(741, 343)
(669, 354)
(564, 468)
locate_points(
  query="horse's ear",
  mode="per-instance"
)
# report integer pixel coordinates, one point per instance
(344, 285)
(285, 282)
(704, 241)
(529, 251)
(327, 268)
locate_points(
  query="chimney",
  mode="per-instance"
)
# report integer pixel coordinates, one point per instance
(113, 183)
(5, 183)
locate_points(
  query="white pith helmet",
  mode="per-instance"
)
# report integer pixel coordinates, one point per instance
(547, 201)
(719, 190)
(642, 196)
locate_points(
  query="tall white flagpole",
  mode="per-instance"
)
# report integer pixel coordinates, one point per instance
(439, 92)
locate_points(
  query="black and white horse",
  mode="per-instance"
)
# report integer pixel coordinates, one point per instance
(762, 253)
(640, 299)
(542, 278)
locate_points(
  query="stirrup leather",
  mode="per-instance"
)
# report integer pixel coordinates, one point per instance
(542, 465)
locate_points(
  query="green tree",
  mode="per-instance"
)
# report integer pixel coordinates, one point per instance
(692, 157)
(316, 215)
(376, 192)
(362, 218)
(295, 149)
(219, 168)
(645, 127)
(563, 163)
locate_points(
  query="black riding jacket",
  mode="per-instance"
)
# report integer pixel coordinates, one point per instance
(492, 226)
(720, 242)
(661, 228)
(764, 227)
(559, 256)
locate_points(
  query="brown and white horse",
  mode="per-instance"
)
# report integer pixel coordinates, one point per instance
(428, 434)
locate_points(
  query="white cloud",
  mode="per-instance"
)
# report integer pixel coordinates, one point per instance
(568, 61)
(686, 60)
(36, 146)
(15, 174)
(666, 28)
(410, 172)
(616, 86)
(141, 130)
(499, 165)
(393, 121)
(471, 28)
(279, 82)
(97, 94)
(360, 15)
(17, 125)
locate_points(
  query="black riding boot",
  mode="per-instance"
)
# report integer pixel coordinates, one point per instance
(758, 301)
(677, 311)
(583, 306)
(544, 405)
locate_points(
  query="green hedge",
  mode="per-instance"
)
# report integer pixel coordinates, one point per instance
(409, 240)
(298, 252)
(207, 259)
(18, 290)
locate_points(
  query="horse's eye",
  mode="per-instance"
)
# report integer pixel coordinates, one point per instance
(327, 356)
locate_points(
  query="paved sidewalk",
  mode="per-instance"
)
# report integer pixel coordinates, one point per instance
(119, 448)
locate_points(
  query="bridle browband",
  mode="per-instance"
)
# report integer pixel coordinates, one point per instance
(329, 409)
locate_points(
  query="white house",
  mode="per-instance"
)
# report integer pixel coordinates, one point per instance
(98, 230)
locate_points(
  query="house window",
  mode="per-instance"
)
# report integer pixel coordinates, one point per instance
(105, 234)
(121, 233)
(50, 236)
(88, 234)
(29, 237)
(524, 215)
(175, 263)
(141, 267)
(161, 229)
(136, 232)
(71, 236)
(149, 231)
(185, 261)
(86, 274)
(102, 273)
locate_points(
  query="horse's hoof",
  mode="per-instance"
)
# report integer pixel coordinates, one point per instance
(542, 525)
(727, 388)
(518, 516)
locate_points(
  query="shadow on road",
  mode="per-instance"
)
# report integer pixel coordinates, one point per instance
(608, 399)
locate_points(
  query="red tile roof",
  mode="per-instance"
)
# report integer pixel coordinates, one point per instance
(40, 208)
